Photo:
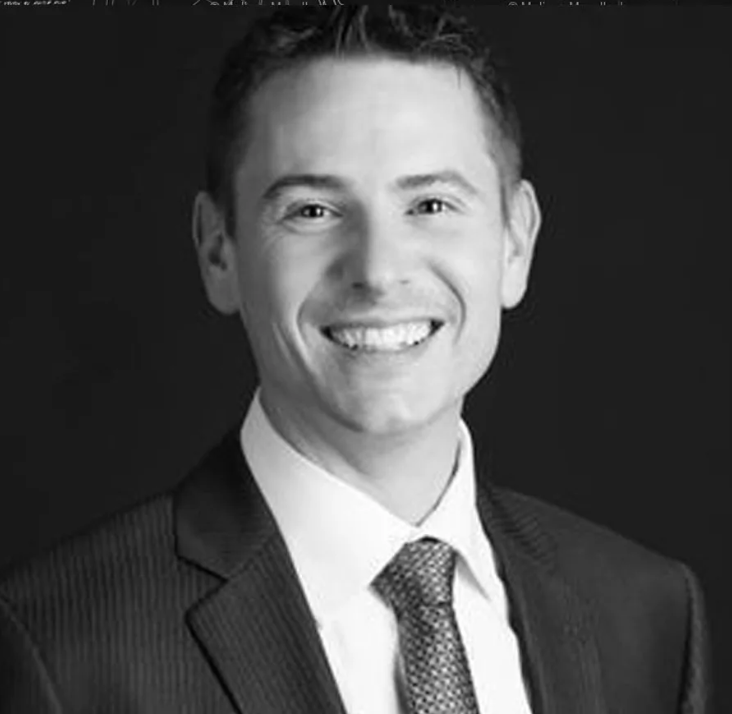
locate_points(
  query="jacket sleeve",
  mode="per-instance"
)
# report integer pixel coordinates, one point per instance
(696, 695)
(25, 687)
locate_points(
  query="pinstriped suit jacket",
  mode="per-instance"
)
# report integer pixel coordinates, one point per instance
(189, 603)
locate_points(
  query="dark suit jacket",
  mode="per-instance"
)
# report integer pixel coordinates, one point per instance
(190, 603)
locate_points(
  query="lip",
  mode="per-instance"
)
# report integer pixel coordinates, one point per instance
(381, 323)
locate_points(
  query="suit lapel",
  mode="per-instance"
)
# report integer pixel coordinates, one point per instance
(559, 653)
(257, 631)
(255, 628)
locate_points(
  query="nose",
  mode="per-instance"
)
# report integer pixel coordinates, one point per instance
(377, 256)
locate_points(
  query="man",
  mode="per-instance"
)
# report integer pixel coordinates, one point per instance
(366, 217)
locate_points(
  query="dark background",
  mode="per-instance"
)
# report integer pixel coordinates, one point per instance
(610, 394)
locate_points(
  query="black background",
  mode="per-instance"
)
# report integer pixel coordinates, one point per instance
(610, 394)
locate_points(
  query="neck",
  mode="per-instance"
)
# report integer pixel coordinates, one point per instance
(406, 472)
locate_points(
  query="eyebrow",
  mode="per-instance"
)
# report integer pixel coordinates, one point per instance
(319, 181)
(330, 182)
(448, 176)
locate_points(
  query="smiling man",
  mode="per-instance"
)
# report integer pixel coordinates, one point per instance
(369, 258)
(366, 217)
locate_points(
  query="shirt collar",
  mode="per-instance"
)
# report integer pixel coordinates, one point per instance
(340, 538)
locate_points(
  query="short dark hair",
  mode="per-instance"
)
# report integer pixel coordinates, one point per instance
(290, 36)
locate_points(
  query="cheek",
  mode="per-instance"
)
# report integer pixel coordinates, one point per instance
(475, 272)
(275, 284)
(476, 279)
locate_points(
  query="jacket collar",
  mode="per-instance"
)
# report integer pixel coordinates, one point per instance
(552, 623)
(255, 626)
(257, 631)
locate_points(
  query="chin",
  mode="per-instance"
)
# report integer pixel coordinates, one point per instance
(387, 415)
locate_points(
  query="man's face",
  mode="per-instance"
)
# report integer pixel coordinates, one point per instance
(371, 260)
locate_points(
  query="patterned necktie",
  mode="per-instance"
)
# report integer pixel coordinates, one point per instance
(417, 584)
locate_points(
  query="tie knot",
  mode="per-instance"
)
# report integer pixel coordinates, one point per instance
(419, 575)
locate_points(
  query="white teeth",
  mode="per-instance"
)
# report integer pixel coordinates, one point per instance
(384, 339)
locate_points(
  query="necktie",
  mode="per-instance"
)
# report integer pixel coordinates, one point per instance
(417, 584)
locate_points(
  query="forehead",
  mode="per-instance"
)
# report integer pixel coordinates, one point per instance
(365, 118)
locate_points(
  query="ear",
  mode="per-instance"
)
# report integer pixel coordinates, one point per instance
(521, 229)
(216, 254)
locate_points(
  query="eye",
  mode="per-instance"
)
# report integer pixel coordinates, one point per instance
(309, 212)
(431, 206)
(312, 210)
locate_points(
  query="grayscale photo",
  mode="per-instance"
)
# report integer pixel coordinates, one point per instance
(365, 358)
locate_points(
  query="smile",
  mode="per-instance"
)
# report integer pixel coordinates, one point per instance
(388, 338)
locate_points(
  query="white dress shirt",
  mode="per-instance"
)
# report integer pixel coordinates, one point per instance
(339, 539)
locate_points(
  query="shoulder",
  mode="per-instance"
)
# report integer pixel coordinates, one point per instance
(112, 557)
(646, 610)
(116, 590)
(597, 561)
